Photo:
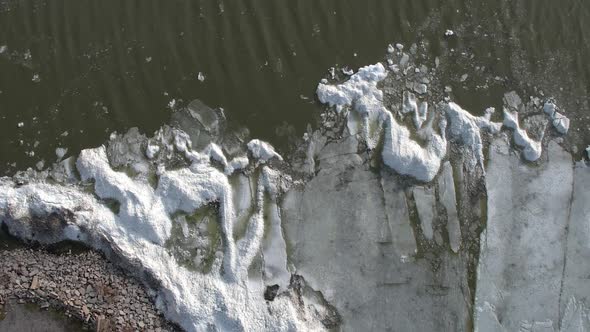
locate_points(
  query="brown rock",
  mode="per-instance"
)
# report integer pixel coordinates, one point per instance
(35, 283)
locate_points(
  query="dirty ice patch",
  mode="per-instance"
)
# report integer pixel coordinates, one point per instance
(359, 91)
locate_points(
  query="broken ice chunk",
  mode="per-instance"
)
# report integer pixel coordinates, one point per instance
(561, 123)
(404, 60)
(390, 48)
(151, 151)
(532, 149)
(447, 196)
(421, 115)
(262, 150)
(60, 152)
(420, 88)
(512, 100)
(409, 103)
(425, 201)
(549, 108)
(449, 33)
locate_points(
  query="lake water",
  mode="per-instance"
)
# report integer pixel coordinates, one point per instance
(71, 72)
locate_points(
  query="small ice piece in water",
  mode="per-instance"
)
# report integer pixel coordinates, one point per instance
(347, 71)
(390, 48)
(409, 103)
(201, 76)
(36, 78)
(394, 68)
(464, 77)
(549, 108)
(436, 62)
(404, 60)
(151, 151)
(421, 115)
(262, 150)
(3, 49)
(512, 100)
(332, 72)
(420, 88)
(40, 164)
(148, 59)
(399, 46)
(449, 33)
(588, 151)
(561, 123)
(20, 124)
(172, 104)
(60, 152)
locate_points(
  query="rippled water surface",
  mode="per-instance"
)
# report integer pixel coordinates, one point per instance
(73, 71)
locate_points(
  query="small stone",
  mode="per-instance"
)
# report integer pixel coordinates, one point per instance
(85, 310)
(34, 283)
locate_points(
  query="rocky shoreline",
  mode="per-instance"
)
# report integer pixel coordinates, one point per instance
(84, 285)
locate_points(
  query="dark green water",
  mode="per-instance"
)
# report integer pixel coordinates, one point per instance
(110, 65)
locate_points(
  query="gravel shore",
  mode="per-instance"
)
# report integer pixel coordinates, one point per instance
(83, 285)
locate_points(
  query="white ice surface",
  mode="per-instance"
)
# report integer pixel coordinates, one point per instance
(262, 150)
(139, 230)
(531, 149)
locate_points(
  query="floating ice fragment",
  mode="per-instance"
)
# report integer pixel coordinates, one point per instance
(420, 88)
(148, 59)
(40, 164)
(404, 60)
(347, 71)
(549, 108)
(390, 48)
(561, 123)
(3, 49)
(399, 46)
(409, 104)
(36, 78)
(200, 76)
(449, 33)
(60, 152)
(588, 151)
(464, 77)
(20, 124)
